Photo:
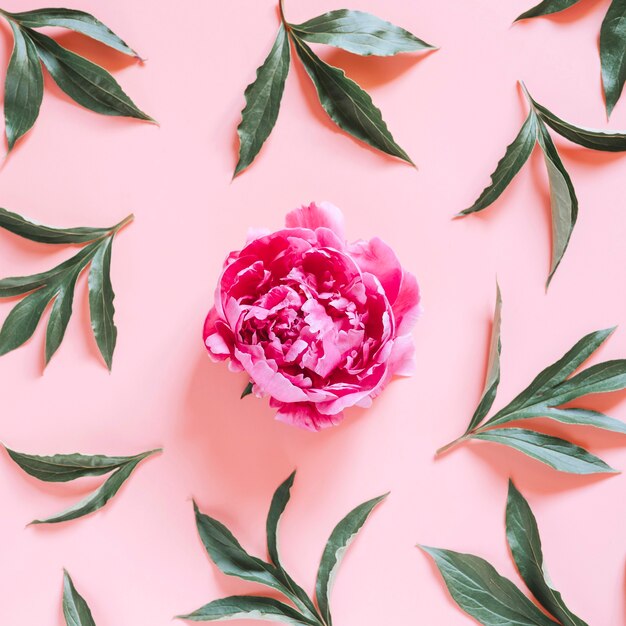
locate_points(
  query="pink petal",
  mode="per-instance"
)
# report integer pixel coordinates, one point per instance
(406, 308)
(305, 415)
(402, 359)
(322, 215)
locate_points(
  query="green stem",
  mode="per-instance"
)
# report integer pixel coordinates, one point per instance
(453, 444)
(127, 220)
(281, 8)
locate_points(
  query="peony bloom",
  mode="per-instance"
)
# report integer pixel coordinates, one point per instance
(319, 325)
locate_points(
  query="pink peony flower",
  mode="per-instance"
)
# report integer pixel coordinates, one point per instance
(318, 325)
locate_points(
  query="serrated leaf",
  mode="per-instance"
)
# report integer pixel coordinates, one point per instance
(23, 87)
(339, 541)
(613, 53)
(523, 538)
(554, 452)
(75, 608)
(97, 499)
(85, 82)
(347, 105)
(547, 7)
(516, 155)
(492, 379)
(248, 607)
(78, 21)
(101, 301)
(263, 97)
(481, 592)
(360, 33)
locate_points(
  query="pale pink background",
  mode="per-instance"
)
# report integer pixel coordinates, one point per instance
(139, 561)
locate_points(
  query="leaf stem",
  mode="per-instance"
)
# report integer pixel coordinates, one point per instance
(453, 444)
(281, 8)
(125, 222)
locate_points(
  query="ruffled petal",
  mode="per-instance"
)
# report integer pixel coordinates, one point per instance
(305, 415)
(406, 308)
(322, 215)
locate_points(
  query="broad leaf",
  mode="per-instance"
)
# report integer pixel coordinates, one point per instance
(516, 155)
(61, 312)
(263, 98)
(341, 537)
(248, 607)
(360, 33)
(348, 106)
(493, 368)
(613, 53)
(23, 87)
(554, 452)
(75, 609)
(85, 82)
(523, 539)
(547, 7)
(482, 593)
(78, 21)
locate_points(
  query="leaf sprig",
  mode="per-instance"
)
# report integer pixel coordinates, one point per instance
(347, 104)
(86, 83)
(75, 609)
(62, 468)
(494, 600)
(57, 286)
(554, 387)
(612, 44)
(228, 555)
(563, 201)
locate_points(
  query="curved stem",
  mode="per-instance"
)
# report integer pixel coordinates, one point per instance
(281, 8)
(125, 222)
(452, 444)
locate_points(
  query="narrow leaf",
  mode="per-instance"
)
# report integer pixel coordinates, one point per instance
(516, 155)
(85, 82)
(263, 98)
(23, 87)
(339, 541)
(585, 417)
(75, 609)
(547, 7)
(481, 592)
(360, 33)
(613, 53)
(101, 301)
(347, 105)
(248, 607)
(523, 537)
(557, 453)
(78, 21)
(247, 391)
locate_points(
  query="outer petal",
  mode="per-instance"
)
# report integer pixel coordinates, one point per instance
(305, 415)
(406, 308)
(402, 359)
(322, 215)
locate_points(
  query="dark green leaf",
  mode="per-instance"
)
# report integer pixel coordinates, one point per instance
(493, 368)
(85, 82)
(523, 537)
(347, 104)
(557, 453)
(516, 155)
(585, 417)
(101, 301)
(75, 608)
(360, 33)
(23, 88)
(78, 21)
(546, 7)
(247, 391)
(97, 499)
(341, 537)
(613, 53)
(248, 607)
(263, 98)
(482, 593)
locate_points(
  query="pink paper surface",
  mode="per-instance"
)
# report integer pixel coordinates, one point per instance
(139, 560)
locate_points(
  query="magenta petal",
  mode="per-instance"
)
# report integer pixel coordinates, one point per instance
(305, 415)
(322, 215)
(402, 358)
(406, 308)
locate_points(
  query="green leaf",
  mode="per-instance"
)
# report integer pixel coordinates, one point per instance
(97, 499)
(101, 301)
(61, 468)
(547, 7)
(516, 155)
(85, 82)
(563, 201)
(78, 21)
(247, 391)
(347, 105)
(613, 53)
(557, 453)
(523, 538)
(482, 593)
(493, 368)
(248, 607)
(360, 33)
(585, 417)
(23, 87)
(75, 609)
(341, 537)
(263, 98)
